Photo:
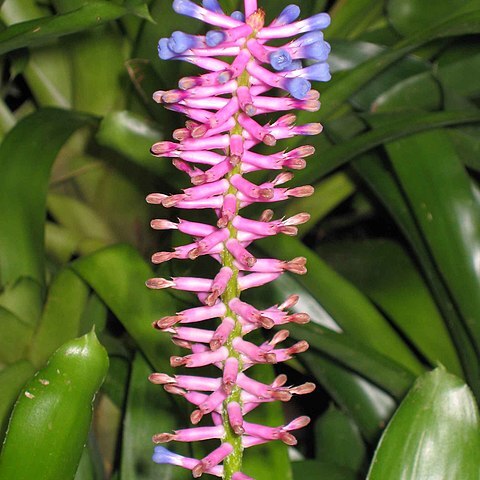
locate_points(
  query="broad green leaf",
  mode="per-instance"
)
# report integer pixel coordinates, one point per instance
(350, 19)
(316, 469)
(12, 379)
(369, 406)
(338, 440)
(41, 30)
(384, 271)
(379, 369)
(348, 307)
(22, 203)
(94, 314)
(118, 275)
(412, 16)
(380, 180)
(340, 90)
(24, 298)
(435, 433)
(116, 382)
(458, 69)
(79, 218)
(328, 195)
(132, 136)
(60, 243)
(14, 336)
(60, 322)
(393, 126)
(440, 194)
(467, 145)
(148, 411)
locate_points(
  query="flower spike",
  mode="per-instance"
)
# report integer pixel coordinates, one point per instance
(224, 106)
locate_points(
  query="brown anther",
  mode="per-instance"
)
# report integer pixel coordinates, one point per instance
(266, 193)
(159, 283)
(269, 140)
(182, 343)
(223, 221)
(160, 379)
(161, 257)
(299, 318)
(174, 389)
(265, 322)
(234, 160)
(304, 389)
(305, 151)
(172, 200)
(187, 82)
(171, 96)
(270, 358)
(163, 437)
(299, 347)
(288, 438)
(167, 322)
(228, 387)
(291, 231)
(198, 470)
(296, 164)
(250, 261)
(238, 429)
(194, 253)
(280, 380)
(282, 395)
(199, 131)
(181, 134)
(216, 343)
(256, 20)
(289, 302)
(178, 361)
(156, 198)
(279, 337)
(297, 265)
(299, 192)
(199, 179)
(212, 298)
(266, 215)
(196, 416)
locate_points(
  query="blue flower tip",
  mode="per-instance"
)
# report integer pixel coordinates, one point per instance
(289, 14)
(214, 38)
(179, 42)
(298, 87)
(212, 5)
(237, 15)
(164, 51)
(184, 7)
(280, 60)
(162, 455)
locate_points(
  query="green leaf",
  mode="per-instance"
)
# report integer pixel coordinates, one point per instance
(316, 469)
(15, 335)
(348, 307)
(338, 440)
(37, 31)
(12, 379)
(393, 126)
(433, 434)
(148, 411)
(379, 369)
(61, 316)
(399, 291)
(380, 180)
(412, 16)
(22, 203)
(118, 275)
(440, 194)
(351, 19)
(131, 135)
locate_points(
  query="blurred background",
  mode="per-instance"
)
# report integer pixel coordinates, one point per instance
(393, 246)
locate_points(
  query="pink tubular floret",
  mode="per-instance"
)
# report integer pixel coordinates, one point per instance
(225, 106)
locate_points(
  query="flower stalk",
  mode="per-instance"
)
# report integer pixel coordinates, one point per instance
(216, 150)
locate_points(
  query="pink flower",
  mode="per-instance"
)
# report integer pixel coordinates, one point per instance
(216, 151)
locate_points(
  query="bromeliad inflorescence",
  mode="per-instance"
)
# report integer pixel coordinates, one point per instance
(216, 150)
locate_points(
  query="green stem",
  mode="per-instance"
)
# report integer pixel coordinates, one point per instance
(233, 462)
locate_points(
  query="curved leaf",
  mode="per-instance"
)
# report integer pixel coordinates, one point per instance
(435, 433)
(25, 161)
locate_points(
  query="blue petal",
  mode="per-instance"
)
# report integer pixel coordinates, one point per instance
(185, 7)
(164, 51)
(318, 22)
(163, 455)
(289, 14)
(237, 15)
(214, 38)
(319, 72)
(280, 60)
(212, 5)
(317, 51)
(309, 38)
(180, 41)
(295, 65)
(298, 87)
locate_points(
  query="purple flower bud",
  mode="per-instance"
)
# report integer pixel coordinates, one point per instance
(280, 60)
(298, 87)
(289, 14)
(212, 5)
(214, 38)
